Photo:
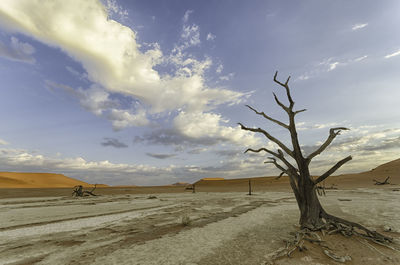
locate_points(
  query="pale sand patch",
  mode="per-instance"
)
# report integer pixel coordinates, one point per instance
(226, 228)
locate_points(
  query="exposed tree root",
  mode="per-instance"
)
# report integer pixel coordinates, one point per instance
(333, 225)
(386, 181)
(79, 192)
(338, 225)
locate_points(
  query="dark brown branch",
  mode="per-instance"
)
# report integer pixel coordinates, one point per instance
(279, 155)
(298, 111)
(269, 136)
(280, 175)
(382, 182)
(261, 149)
(291, 172)
(268, 117)
(286, 86)
(333, 132)
(281, 104)
(273, 161)
(333, 169)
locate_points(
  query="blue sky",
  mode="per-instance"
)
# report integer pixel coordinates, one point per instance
(150, 92)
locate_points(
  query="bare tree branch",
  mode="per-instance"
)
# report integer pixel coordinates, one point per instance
(298, 111)
(268, 117)
(286, 86)
(273, 161)
(281, 104)
(279, 155)
(333, 132)
(280, 175)
(262, 149)
(269, 136)
(333, 169)
(292, 175)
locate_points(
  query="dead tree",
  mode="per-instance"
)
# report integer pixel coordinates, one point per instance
(249, 187)
(313, 217)
(382, 182)
(79, 192)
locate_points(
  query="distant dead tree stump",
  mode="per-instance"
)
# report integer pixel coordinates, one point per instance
(386, 181)
(321, 189)
(249, 187)
(79, 192)
(192, 188)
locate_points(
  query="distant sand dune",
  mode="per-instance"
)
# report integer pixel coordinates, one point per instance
(363, 179)
(37, 180)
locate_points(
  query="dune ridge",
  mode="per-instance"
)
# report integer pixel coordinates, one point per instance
(37, 180)
(51, 180)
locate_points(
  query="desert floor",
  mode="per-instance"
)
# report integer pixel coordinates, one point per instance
(224, 228)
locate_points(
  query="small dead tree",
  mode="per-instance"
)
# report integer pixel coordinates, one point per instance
(313, 217)
(386, 181)
(249, 187)
(79, 192)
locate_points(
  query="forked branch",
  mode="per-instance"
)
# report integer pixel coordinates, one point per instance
(333, 169)
(269, 136)
(268, 117)
(333, 132)
(286, 86)
(281, 168)
(279, 155)
(285, 108)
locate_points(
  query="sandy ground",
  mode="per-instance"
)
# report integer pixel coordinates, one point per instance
(224, 228)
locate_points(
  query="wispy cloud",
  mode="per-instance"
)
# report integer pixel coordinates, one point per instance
(3, 142)
(210, 36)
(328, 65)
(359, 26)
(227, 77)
(219, 68)
(333, 65)
(17, 51)
(160, 156)
(98, 101)
(114, 9)
(80, 76)
(359, 59)
(396, 53)
(186, 16)
(113, 142)
(301, 126)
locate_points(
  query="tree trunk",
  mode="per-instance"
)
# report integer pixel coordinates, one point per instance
(249, 186)
(309, 205)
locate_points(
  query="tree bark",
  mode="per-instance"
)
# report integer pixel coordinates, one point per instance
(310, 207)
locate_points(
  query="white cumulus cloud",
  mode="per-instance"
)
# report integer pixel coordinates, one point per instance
(115, 62)
(108, 50)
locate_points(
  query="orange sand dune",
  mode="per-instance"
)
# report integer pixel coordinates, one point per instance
(350, 181)
(365, 179)
(37, 180)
